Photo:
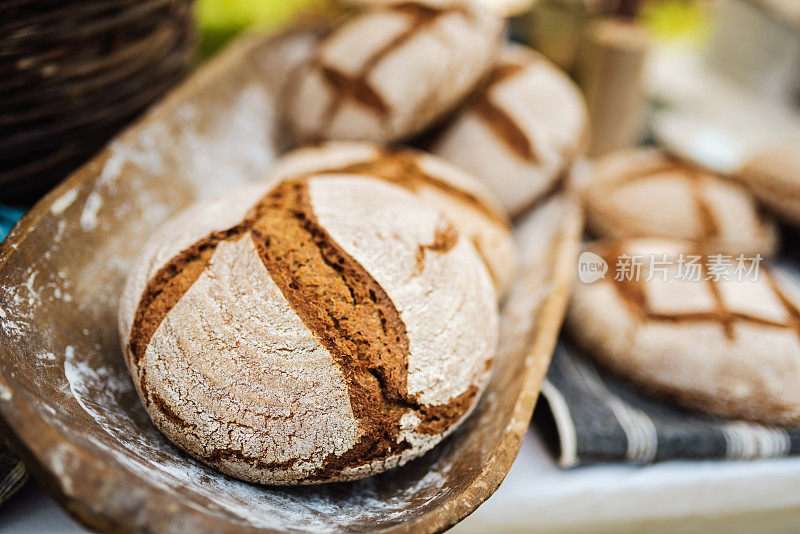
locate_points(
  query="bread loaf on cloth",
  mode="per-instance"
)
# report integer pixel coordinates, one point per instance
(463, 199)
(521, 131)
(392, 70)
(643, 192)
(324, 329)
(722, 343)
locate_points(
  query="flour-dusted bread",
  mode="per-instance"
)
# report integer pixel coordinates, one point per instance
(729, 345)
(521, 131)
(471, 207)
(774, 178)
(328, 328)
(645, 193)
(392, 70)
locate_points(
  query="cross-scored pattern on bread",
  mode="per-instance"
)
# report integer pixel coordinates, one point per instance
(345, 308)
(402, 168)
(635, 291)
(643, 192)
(725, 341)
(693, 176)
(356, 84)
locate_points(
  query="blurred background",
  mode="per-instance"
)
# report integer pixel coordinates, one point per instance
(715, 82)
(665, 70)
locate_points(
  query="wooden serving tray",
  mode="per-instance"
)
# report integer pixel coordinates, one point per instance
(66, 400)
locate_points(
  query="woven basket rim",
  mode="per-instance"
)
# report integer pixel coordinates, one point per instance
(119, 105)
(80, 13)
(69, 78)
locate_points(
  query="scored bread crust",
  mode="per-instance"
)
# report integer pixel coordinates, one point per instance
(522, 129)
(471, 207)
(727, 348)
(366, 81)
(335, 330)
(644, 192)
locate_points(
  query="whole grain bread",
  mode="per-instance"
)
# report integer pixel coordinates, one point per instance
(327, 328)
(392, 70)
(724, 344)
(472, 208)
(643, 192)
(522, 129)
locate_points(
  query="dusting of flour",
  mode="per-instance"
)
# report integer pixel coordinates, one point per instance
(104, 391)
(214, 153)
(210, 148)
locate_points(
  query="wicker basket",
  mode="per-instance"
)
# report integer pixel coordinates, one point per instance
(73, 73)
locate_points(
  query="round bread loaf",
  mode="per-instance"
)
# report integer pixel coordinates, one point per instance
(645, 193)
(521, 131)
(325, 329)
(471, 207)
(392, 70)
(728, 345)
(774, 178)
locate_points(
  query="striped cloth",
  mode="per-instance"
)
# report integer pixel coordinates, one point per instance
(12, 474)
(589, 416)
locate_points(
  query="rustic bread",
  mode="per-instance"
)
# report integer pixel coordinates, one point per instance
(324, 329)
(774, 178)
(727, 347)
(392, 70)
(471, 207)
(522, 129)
(645, 193)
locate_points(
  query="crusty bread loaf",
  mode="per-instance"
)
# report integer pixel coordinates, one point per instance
(325, 329)
(774, 178)
(730, 347)
(522, 129)
(471, 207)
(392, 70)
(643, 192)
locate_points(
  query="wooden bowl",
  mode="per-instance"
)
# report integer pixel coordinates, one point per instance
(66, 399)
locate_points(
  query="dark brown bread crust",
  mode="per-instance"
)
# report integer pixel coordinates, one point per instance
(337, 299)
(400, 168)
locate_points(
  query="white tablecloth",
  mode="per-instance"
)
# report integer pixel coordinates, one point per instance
(538, 496)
